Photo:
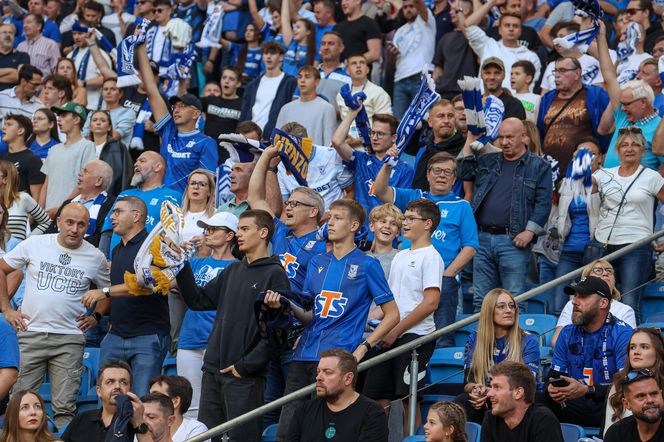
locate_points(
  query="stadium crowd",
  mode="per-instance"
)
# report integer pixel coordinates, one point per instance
(313, 234)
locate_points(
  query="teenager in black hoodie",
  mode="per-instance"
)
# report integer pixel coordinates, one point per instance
(236, 359)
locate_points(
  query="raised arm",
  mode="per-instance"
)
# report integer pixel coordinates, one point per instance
(159, 109)
(256, 192)
(608, 69)
(256, 17)
(286, 26)
(339, 138)
(479, 13)
(103, 66)
(382, 188)
(658, 139)
(422, 9)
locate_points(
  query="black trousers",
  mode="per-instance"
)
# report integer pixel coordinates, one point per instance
(300, 374)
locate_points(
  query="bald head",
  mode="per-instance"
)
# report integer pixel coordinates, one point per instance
(512, 138)
(149, 170)
(73, 224)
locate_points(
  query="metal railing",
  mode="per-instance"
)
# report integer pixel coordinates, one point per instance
(411, 347)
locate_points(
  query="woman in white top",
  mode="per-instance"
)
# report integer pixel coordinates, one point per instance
(197, 205)
(602, 269)
(644, 352)
(628, 194)
(21, 205)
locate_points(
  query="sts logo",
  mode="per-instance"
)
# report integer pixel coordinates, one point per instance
(370, 185)
(290, 264)
(330, 304)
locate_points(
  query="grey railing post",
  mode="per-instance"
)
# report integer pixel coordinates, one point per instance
(412, 399)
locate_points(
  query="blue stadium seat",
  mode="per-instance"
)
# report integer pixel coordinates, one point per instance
(170, 365)
(546, 352)
(88, 401)
(474, 431)
(429, 399)
(654, 290)
(536, 305)
(591, 431)
(270, 433)
(461, 334)
(650, 307)
(416, 438)
(61, 432)
(447, 364)
(541, 325)
(90, 369)
(572, 433)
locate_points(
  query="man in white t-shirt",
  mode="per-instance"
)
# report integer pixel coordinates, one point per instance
(327, 174)
(59, 269)
(415, 280)
(87, 72)
(413, 45)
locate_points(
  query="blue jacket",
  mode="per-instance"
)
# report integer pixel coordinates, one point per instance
(284, 96)
(596, 102)
(531, 192)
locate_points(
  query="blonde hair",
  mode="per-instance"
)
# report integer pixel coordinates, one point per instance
(535, 145)
(209, 207)
(485, 344)
(587, 270)
(10, 192)
(387, 209)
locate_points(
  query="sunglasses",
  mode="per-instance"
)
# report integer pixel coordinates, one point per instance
(630, 130)
(632, 11)
(635, 375)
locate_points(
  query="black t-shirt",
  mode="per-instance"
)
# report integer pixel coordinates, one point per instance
(625, 430)
(221, 115)
(363, 421)
(539, 424)
(455, 56)
(134, 100)
(356, 33)
(29, 169)
(513, 107)
(12, 60)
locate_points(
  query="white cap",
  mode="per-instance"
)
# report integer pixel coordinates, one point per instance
(221, 219)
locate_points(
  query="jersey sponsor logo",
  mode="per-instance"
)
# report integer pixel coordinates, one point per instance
(439, 235)
(352, 272)
(588, 376)
(371, 185)
(206, 274)
(181, 155)
(330, 304)
(309, 245)
(290, 264)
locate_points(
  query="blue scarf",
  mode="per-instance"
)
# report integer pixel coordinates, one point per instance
(425, 98)
(178, 69)
(104, 42)
(94, 210)
(139, 128)
(480, 119)
(83, 65)
(627, 47)
(582, 39)
(354, 101)
(127, 75)
(295, 153)
(212, 28)
(580, 175)
(166, 50)
(240, 150)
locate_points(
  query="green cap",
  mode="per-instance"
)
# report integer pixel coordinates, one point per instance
(71, 107)
(493, 61)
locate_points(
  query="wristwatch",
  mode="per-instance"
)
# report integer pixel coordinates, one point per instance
(142, 428)
(106, 291)
(84, 83)
(367, 345)
(97, 316)
(273, 169)
(591, 391)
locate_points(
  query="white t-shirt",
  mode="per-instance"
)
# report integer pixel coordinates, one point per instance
(530, 102)
(635, 221)
(112, 22)
(189, 429)
(91, 71)
(191, 228)
(416, 42)
(267, 90)
(411, 272)
(56, 280)
(327, 175)
(590, 72)
(619, 310)
(627, 71)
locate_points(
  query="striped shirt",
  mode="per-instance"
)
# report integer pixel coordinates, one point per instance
(44, 53)
(17, 222)
(11, 104)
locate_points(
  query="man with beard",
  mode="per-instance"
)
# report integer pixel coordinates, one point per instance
(514, 416)
(113, 380)
(338, 411)
(149, 185)
(587, 354)
(642, 395)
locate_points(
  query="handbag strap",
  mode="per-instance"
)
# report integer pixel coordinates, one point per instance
(562, 109)
(622, 201)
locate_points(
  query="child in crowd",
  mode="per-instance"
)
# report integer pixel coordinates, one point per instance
(521, 77)
(385, 223)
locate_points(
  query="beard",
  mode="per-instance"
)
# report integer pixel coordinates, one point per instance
(137, 179)
(330, 395)
(585, 318)
(650, 418)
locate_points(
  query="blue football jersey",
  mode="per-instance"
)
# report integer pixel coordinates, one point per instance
(295, 253)
(343, 290)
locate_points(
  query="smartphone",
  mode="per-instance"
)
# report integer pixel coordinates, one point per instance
(559, 382)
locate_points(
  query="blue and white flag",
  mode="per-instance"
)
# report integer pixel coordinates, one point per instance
(660, 68)
(482, 119)
(579, 174)
(127, 75)
(627, 47)
(425, 98)
(581, 40)
(354, 101)
(211, 34)
(240, 150)
(295, 153)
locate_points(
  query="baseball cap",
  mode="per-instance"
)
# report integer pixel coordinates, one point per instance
(188, 99)
(494, 61)
(71, 107)
(221, 219)
(589, 285)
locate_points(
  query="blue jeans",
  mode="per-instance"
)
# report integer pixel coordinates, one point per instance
(547, 272)
(277, 372)
(498, 264)
(404, 92)
(568, 262)
(145, 355)
(445, 314)
(632, 272)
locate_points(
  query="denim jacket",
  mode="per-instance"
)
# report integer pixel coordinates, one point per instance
(532, 191)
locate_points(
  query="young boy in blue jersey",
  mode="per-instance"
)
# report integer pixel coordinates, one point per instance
(343, 283)
(456, 236)
(183, 146)
(415, 282)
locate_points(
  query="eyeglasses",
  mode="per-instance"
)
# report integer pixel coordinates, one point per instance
(294, 204)
(117, 212)
(160, 10)
(563, 70)
(602, 270)
(198, 184)
(632, 11)
(629, 103)
(502, 306)
(440, 171)
(635, 375)
(630, 129)
(378, 134)
(410, 219)
(212, 229)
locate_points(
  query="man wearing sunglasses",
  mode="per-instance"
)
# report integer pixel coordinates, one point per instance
(587, 354)
(642, 395)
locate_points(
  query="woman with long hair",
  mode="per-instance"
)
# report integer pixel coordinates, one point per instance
(247, 57)
(20, 204)
(644, 351)
(197, 205)
(498, 338)
(67, 68)
(299, 41)
(446, 422)
(26, 420)
(604, 270)
(219, 232)
(45, 129)
(111, 151)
